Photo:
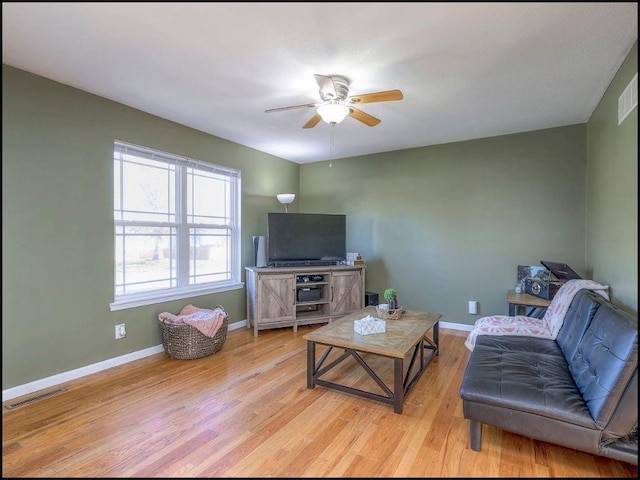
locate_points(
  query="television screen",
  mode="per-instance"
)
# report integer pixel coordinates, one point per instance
(306, 238)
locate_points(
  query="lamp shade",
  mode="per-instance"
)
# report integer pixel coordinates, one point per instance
(286, 198)
(333, 112)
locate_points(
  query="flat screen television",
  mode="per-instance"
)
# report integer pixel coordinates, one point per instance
(306, 239)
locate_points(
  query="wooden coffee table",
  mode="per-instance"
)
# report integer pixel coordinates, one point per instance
(405, 338)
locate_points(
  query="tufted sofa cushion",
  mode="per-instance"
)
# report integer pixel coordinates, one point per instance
(578, 318)
(605, 362)
(527, 374)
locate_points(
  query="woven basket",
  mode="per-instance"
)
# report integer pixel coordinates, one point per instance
(389, 314)
(182, 341)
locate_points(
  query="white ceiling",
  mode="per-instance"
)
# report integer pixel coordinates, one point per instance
(467, 70)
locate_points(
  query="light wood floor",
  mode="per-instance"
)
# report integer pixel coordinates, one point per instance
(246, 412)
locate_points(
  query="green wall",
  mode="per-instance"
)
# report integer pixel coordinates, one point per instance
(442, 224)
(450, 223)
(612, 189)
(57, 223)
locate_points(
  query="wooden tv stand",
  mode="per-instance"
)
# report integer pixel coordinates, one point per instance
(291, 296)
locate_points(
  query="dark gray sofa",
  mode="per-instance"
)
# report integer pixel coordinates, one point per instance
(579, 391)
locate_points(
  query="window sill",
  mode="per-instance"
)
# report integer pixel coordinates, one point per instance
(167, 296)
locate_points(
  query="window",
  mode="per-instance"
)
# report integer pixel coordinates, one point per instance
(177, 227)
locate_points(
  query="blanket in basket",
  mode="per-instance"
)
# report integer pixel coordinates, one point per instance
(545, 327)
(205, 320)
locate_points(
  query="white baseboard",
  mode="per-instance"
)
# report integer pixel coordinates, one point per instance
(456, 326)
(48, 382)
(54, 380)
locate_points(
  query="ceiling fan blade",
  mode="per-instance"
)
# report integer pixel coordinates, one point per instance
(310, 105)
(327, 88)
(363, 117)
(313, 122)
(385, 96)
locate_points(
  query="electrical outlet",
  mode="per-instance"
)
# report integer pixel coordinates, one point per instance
(473, 307)
(121, 331)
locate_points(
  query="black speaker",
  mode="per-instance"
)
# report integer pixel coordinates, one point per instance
(370, 298)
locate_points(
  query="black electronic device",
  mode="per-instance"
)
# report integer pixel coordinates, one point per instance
(313, 239)
(370, 298)
(309, 278)
(542, 288)
(309, 294)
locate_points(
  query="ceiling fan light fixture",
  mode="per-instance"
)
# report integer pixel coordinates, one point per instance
(333, 113)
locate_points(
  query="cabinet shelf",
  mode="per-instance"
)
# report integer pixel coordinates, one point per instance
(304, 318)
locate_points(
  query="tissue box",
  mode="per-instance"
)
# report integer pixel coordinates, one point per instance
(368, 325)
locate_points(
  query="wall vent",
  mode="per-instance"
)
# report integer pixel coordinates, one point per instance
(628, 100)
(35, 398)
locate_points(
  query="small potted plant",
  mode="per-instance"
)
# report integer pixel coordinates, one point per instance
(390, 295)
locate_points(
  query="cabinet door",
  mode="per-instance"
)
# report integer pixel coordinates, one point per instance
(348, 291)
(276, 298)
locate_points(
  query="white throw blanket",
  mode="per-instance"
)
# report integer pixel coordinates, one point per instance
(545, 327)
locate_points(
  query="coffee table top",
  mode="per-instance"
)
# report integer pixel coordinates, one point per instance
(400, 337)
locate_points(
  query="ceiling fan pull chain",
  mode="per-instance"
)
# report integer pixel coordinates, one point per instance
(333, 125)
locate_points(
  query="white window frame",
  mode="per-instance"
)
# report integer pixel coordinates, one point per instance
(182, 291)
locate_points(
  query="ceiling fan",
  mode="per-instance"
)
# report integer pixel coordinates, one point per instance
(337, 103)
